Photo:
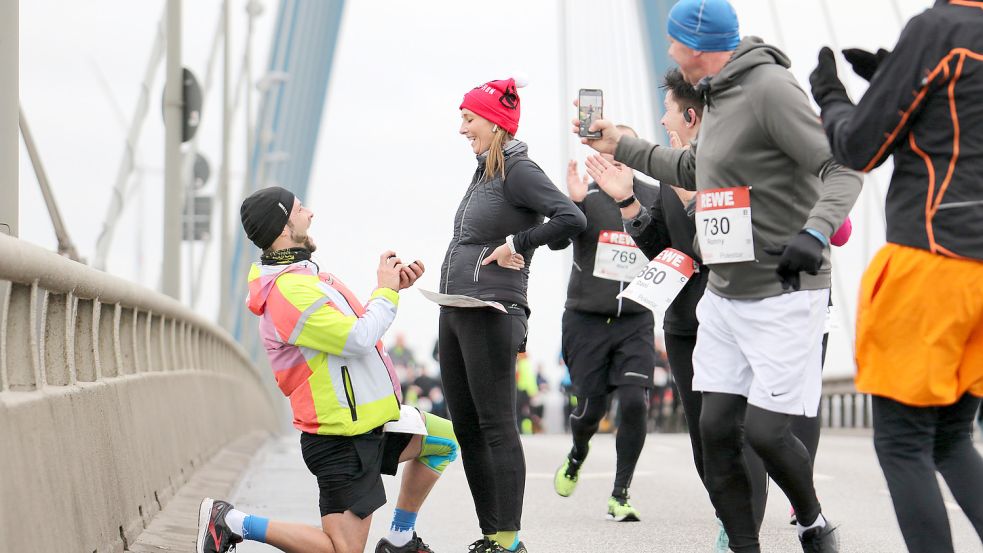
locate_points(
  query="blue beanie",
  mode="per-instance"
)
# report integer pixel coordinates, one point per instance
(705, 25)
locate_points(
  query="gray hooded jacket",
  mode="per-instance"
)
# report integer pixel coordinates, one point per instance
(760, 131)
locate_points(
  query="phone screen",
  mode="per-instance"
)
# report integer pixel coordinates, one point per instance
(591, 108)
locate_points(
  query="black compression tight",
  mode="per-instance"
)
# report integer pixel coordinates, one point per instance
(727, 478)
(806, 429)
(633, 407)
(477, 362)
(679, 348)
(912, 443)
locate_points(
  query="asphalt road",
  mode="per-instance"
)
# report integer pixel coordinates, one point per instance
(676, 514)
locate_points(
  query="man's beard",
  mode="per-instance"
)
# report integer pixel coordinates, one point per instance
(303, 239)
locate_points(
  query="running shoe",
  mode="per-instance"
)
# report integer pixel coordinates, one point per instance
(485, 545)
(820, 540)
(214, 535)
(723, 540)
(415, 545)
(565, 479)
(619, 510)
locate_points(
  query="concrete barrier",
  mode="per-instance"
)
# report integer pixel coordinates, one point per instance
(111, 396)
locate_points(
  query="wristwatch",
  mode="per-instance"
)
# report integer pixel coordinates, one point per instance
(626, 202)
(509, 240)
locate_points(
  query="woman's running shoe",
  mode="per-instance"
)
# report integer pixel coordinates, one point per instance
(485, 545)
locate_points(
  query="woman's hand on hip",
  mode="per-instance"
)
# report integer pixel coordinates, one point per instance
(505, 258)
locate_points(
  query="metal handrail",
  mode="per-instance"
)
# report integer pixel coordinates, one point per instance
(56, 295)
(842, 406)
(137, 390)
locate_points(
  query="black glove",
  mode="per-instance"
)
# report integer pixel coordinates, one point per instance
(865, 63)
(802, 253)
(826, 85)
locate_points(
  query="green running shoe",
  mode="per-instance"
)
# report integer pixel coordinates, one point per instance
(619, 510)
(723, 541)
(565, 479)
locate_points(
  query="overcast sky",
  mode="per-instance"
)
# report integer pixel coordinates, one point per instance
(390, 167)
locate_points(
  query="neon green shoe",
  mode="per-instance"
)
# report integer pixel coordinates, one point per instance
(565, 479)
(619, 510)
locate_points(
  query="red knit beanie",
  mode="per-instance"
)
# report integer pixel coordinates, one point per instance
(497, 101)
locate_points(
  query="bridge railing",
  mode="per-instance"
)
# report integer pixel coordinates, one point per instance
(842, 406)
(110, 396)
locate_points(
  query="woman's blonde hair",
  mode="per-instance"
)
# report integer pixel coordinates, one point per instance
(495, 164)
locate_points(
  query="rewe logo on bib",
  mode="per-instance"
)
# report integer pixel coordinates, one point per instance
(723, 198)
(616, 237)
(677, 260)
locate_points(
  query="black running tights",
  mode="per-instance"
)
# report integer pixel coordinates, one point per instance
(806, 429)
(477, 363)
(912, 443)
(727, 477)
(633, 407)
(679, 348)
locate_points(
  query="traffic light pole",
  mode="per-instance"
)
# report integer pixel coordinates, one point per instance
(173, 187)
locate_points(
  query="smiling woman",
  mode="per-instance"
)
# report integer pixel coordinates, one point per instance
(497, 227)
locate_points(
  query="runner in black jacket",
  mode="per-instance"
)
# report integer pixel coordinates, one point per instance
(608, 342)
(498, 226)
(920, 314)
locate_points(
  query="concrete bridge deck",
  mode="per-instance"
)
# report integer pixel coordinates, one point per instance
(677, 516)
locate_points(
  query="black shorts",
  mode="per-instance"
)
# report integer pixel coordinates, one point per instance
(603, 352)
(349, 468)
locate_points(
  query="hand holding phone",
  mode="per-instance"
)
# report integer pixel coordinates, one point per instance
(591, 108)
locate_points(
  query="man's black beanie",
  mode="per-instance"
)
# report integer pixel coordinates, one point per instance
(264, 214)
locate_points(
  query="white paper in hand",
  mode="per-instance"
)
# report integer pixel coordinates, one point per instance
(658, 284)
(457, 300)
(410, 422)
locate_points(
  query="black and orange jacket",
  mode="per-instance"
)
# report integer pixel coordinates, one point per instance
(925, 106)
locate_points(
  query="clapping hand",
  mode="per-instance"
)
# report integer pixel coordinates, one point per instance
(615, 179)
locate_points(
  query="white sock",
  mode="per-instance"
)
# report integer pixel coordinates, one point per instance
(820, 523)
(234, 519)
(399, 538)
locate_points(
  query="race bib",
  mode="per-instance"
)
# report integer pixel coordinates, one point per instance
(658, 284)
(617, 257)
(723, 225)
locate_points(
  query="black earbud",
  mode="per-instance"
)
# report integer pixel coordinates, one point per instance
(686, 116)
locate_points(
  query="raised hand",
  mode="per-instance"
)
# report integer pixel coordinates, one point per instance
(576, 186)
(615, 179)
(388, 273)
(410, 273)
(610, 135)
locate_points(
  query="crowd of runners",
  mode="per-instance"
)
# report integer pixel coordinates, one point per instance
(754, 191)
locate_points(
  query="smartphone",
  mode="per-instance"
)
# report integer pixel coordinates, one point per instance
(591, 102)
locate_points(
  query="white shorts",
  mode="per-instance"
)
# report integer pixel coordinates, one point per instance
(767, 350)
